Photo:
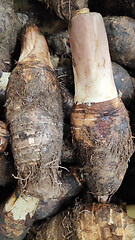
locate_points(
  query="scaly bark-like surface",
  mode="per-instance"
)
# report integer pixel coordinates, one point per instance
(102, 135)
(87, 222)
(20, 211)
(35, 117)
(4, 136)
(99, 121)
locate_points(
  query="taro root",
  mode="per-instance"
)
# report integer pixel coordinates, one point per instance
(87, 222)
(4, 136)
(71, 185)
(124, 84)
(99, 121)
(65, 9)
(120, 33)
(68, 101)
(65, 74)
(59, 42)
(9, 29)
(6, 164)
(21, 210)
(35, 118)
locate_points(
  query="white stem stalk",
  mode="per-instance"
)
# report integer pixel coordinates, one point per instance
(91, 59)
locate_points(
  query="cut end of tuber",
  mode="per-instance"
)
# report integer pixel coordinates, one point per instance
(91, 59)
(27, 203)
(34, 46)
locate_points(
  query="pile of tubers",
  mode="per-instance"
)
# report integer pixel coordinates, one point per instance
(66, 133)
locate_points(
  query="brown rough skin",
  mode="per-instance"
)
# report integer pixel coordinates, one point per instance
(11, 229)
(120, 33)
(9, 29)
(87, 222)
(14, 229)
(4, 136)
(71, 186)
(102, 135)
(65, 9)
(124, 85)
(35, 117)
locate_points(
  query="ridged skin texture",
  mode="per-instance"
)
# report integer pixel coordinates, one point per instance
(16, 229)
(4, 136)
(101, 133)
(35, 118)
(87, 222)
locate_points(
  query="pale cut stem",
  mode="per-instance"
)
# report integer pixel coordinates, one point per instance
(92, 67)
(34, 46)
(21, 207)
(4, 80)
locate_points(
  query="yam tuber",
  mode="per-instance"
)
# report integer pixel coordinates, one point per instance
(71, 185)
(99, 121)
(87, 222)
(121, 38)
(35, 118)
(65, 9)
(4, 136)
(10, 27)
(124, 85)
(6, 164)
(21, 210)
(59, 42)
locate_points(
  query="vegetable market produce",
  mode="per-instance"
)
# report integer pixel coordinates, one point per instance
(87, 221)
(4, 136)
(124, 84)
(67, 99)
(21, 210)
(59, 42)
(64, 9)
(35, 118)
(6, 164)
(68, 151)
(120, 33)
(99, 121)
(10, 27)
